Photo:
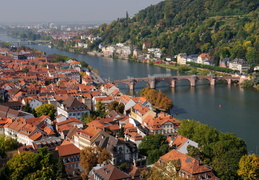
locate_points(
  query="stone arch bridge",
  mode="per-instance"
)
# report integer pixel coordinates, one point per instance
(172, 80)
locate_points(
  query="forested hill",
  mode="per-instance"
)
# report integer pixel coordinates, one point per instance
(224, 28)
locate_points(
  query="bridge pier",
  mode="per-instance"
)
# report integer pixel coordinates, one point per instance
(193, 82)
(212, 82)
(229, 81)
(132, 85)
(173, 83)
(152, 84)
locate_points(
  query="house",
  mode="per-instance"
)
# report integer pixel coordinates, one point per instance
(163, 124)
(105, 124)
(131, 134)
(69, 154)
(239, 64)
(109, 172)
(135, 172)
(190, 168)
(204, 58)
(156, 52)
(24, 132)
(224, 62)
(71, 107)
(3, 122)
(83, 137)
(108, 88)
(63, 127)
(146, 45)
(139, 112)
(87, 80)
(33, 102)
(103, 99)
(50, 142)
(192, 58)
(181, 58)
(5, 111)
(15, 105)
(121, 151)
(181, 143)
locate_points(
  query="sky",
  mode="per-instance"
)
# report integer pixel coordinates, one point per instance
(18, 11)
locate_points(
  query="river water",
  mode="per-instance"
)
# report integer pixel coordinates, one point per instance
(239, 107)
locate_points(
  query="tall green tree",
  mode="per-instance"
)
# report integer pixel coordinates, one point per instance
(252, 56)
(153, 146)
(100, 109)
(7, 144)
(28, 165)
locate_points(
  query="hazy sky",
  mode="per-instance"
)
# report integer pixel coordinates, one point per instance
(69, 10)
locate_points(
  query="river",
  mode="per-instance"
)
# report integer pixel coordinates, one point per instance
(239, 107)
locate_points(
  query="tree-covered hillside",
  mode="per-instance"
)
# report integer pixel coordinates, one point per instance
(224, 28)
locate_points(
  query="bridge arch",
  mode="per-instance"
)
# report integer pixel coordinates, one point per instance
(220, 81)
(183, 82)
(192, 79)
(123, 84)
(140, 83)
(165, 81)
(203, 81)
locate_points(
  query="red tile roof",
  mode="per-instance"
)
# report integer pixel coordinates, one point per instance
(110, 172)
(67, 149)
(188, 164)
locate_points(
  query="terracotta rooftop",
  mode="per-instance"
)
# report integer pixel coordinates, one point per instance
(188, 164)
(67, 149)
(110, 172)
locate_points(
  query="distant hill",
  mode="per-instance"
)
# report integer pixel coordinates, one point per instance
(223, 28)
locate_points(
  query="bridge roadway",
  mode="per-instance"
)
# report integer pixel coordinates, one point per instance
(172, 80)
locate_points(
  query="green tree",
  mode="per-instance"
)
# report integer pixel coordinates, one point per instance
(112, 105)
(219, 150)
(153, 146)
(7, 144)
(193, 151)
(100, 109)
(46, 109)
(28, 165)
(249, 167)
(115, 105)
(252, 56)
(21, 165)
(27, 108)
(247, 83)
(120, 108)
(25, 70)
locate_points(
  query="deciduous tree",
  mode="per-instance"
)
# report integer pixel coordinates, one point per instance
(46, 109)
(249, 167)
(153, 146)
(90, 157)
